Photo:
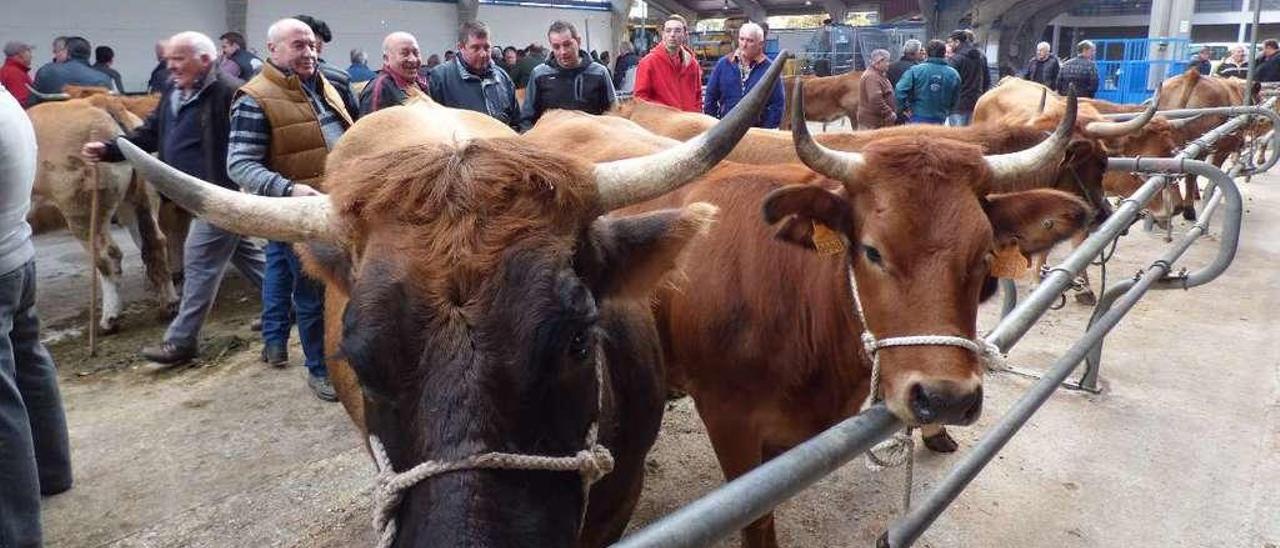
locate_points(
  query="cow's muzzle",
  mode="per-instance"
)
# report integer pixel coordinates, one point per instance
(945, 402)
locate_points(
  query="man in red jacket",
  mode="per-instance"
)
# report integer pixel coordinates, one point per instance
(670, 73)
(15, 75)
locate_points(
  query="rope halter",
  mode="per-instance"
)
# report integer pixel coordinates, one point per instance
(592, 463)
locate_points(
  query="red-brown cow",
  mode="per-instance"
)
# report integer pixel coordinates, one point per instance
(763, 334)
(1192, 90)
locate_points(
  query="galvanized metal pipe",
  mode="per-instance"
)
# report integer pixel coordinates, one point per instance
(1118, 300)
(742, 501)
(1224, 190)
(1240, 118)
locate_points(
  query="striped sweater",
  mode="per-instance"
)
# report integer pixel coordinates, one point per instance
(249, 147)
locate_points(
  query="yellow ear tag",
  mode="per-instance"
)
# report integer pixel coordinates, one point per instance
(1010, 263)
(826, 241)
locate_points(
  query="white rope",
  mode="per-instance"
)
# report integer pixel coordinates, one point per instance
(591, 463)
(900, 448)
(389, 486)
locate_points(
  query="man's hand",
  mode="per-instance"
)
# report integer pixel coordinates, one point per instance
(304, 190)
(93, 151)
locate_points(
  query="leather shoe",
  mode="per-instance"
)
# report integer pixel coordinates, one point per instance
(322, 388)
(275, 354)
(169, 354)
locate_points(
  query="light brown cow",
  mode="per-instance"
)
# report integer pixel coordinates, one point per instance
(826, 98)
(65, 180)
(763, 335)
(1192, 90)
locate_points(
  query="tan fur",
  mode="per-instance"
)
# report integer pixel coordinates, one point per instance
(826, 98)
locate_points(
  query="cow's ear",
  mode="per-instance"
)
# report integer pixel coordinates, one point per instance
(799, 210)
(1034, 220)
(629, 256)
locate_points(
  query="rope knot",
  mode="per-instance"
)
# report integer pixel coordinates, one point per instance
(594, 463)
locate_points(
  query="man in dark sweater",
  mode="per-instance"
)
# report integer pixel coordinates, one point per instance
(912, 54)
(190, 128)
(569, 79)
(1043, 68)
(975, 79)
(1079, 71)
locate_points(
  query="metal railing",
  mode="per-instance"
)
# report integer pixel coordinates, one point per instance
(747, 498)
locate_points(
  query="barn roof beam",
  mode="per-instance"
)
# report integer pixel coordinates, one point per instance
(674, 7)
(752, 9)
(837, 9)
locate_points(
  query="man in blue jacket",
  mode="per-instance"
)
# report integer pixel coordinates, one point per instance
(52, 77)
(929, 90)
(737, 73)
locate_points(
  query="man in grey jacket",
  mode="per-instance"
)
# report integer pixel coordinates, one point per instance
(569, 80)
(471, 81)
(35, 456)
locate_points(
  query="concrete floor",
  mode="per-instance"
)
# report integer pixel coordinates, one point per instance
(1183, 448)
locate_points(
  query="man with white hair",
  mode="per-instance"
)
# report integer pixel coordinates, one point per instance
(1234, 66)
(190, 129)
(735, 75)
(1043, 68)
(400, 78)
(876, 105)
(912, 55)
(284, 122)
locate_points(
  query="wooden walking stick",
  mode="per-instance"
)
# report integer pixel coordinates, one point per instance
(93, 259)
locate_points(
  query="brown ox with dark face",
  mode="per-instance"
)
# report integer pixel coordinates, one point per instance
(486, 306)
(762, 333)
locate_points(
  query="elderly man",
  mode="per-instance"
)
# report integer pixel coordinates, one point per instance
(1079, 71)
(52, 77)
(159, 75)
(670, 73)
(876, 105)
(237, 61)
(975, 78)
(189, 129)
(928, 90)
(15, 75)
(35, 456)
(912, 55)
(1043, 68)
(400, 78)
(735, 74)
(284, 122)
(1236, 65)
(569, 80)
(471, 81)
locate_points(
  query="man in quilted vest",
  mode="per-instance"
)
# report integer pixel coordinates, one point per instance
(283, 124)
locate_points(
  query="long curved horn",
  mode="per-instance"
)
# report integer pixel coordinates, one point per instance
(1044, 98)
(48, 96)
(1018, 165)
(624, 182)
(839, 165)
(283, 219)
(1120, 129)
(1179, 123)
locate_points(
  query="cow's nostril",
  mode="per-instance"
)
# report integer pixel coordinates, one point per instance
(921, 405)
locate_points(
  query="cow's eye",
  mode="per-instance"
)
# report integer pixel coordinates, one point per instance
(873, 254)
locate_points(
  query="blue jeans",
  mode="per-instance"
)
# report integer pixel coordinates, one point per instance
(35, 456)
(284, 286)
(959, 120)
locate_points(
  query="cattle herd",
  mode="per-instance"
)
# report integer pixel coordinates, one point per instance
(558, 295)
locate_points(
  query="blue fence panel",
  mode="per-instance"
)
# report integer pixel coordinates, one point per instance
(1126, 66)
